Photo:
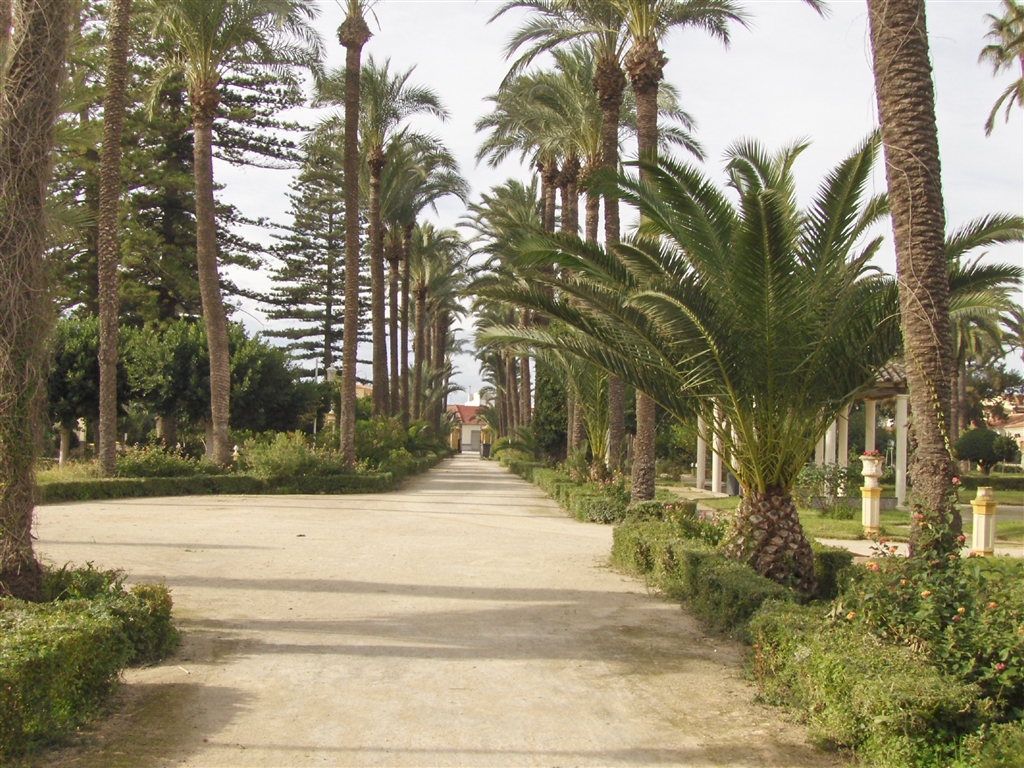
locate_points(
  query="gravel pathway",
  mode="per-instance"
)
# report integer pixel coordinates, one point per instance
(461, 621)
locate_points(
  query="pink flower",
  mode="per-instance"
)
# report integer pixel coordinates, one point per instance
(956, 618)
(991, 605)
(1000, 667)
(956, 481)
(872, 566)
(961, 539)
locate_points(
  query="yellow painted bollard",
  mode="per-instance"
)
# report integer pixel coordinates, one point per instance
(984, 536)
(871, 495)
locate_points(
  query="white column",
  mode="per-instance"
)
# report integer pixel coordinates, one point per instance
(716, 455)
(902, 406)
(702, 453)
(819, 452)
(870, 421)
(830, 443)
(843, 444)
(984, 532)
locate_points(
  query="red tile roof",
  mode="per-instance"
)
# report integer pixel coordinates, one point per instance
(466, 414)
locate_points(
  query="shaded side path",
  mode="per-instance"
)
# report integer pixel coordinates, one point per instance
(461, 621)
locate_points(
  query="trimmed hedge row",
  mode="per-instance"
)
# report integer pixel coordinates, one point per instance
(60, 660)
(995, 482)
(199, 485)
(881, 700)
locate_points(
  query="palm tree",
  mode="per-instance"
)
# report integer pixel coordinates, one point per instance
(419, 171)
(1007, 50)
(906, 110)
(119, 33)
(648, 23)
(353, 34)
(556, 23)
(980, 296)
(758, 309)
(387, 101)
(211, 38)
(438, 265)
(33, 67)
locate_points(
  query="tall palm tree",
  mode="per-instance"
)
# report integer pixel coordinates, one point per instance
(600, 23)
(353, 34)
(439, 264)
(1006, 50)
(648, 23)
(980, 296)
(387, 101)
(419, 172)
(906, 111)
(119, 33)
(768, 311)
(211, 38)
(33, 67)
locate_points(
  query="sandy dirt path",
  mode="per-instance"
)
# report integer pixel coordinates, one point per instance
(461, 621)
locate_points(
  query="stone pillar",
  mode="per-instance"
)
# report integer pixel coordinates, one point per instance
(984, 535)
(870, 421)
(716, 454)
(843, 441)
(819, 452)
(871, 496)
(702, 453)
(830, 443)
(902, 413)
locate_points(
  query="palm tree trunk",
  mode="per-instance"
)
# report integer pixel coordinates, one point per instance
(593, 214)
(548, 186)
(352, 34)
(214, 316)
(767, 535)
(395, 404)
(27, 114)
(645, 64)
(119, 30)
(512, 392)
(610, 82)
(906, 109)
(440, 347)
(406, 254)
(380, 398)
(419, 353)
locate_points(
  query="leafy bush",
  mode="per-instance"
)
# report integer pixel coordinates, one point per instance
(881, 700)
(986, 447)
(729, 593)
(147, 487)
(689, 523)
(60, 659)
(377, 438)
(994, 746)
(144, 611)
(288, 455)
(155, 461)
(829, 565)
(825, 488)
(964, 615)
(58, 662)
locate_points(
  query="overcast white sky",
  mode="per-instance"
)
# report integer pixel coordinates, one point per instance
(792, 75)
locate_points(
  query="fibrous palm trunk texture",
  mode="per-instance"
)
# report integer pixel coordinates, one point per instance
(906, 110)
(28, 107)
(119, 32)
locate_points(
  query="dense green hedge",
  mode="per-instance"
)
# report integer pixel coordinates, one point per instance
(139, 487)
(995, 482)
(60, 659)
(881, 700)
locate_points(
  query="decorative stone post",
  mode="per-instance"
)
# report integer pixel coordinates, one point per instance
(984, 535)
(871, 494)
(702, 453)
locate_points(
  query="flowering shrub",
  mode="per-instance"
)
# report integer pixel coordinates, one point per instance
(965, 615)
(289, 455)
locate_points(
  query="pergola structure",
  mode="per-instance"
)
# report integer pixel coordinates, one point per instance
(833, 448)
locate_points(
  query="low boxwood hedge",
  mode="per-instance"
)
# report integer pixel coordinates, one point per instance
(59, 660)
(881, 700)
(200, 485)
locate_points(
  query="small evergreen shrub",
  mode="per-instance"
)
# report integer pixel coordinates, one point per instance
(728, 593)
(883, 701)
(156, 461)
(829, 565)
